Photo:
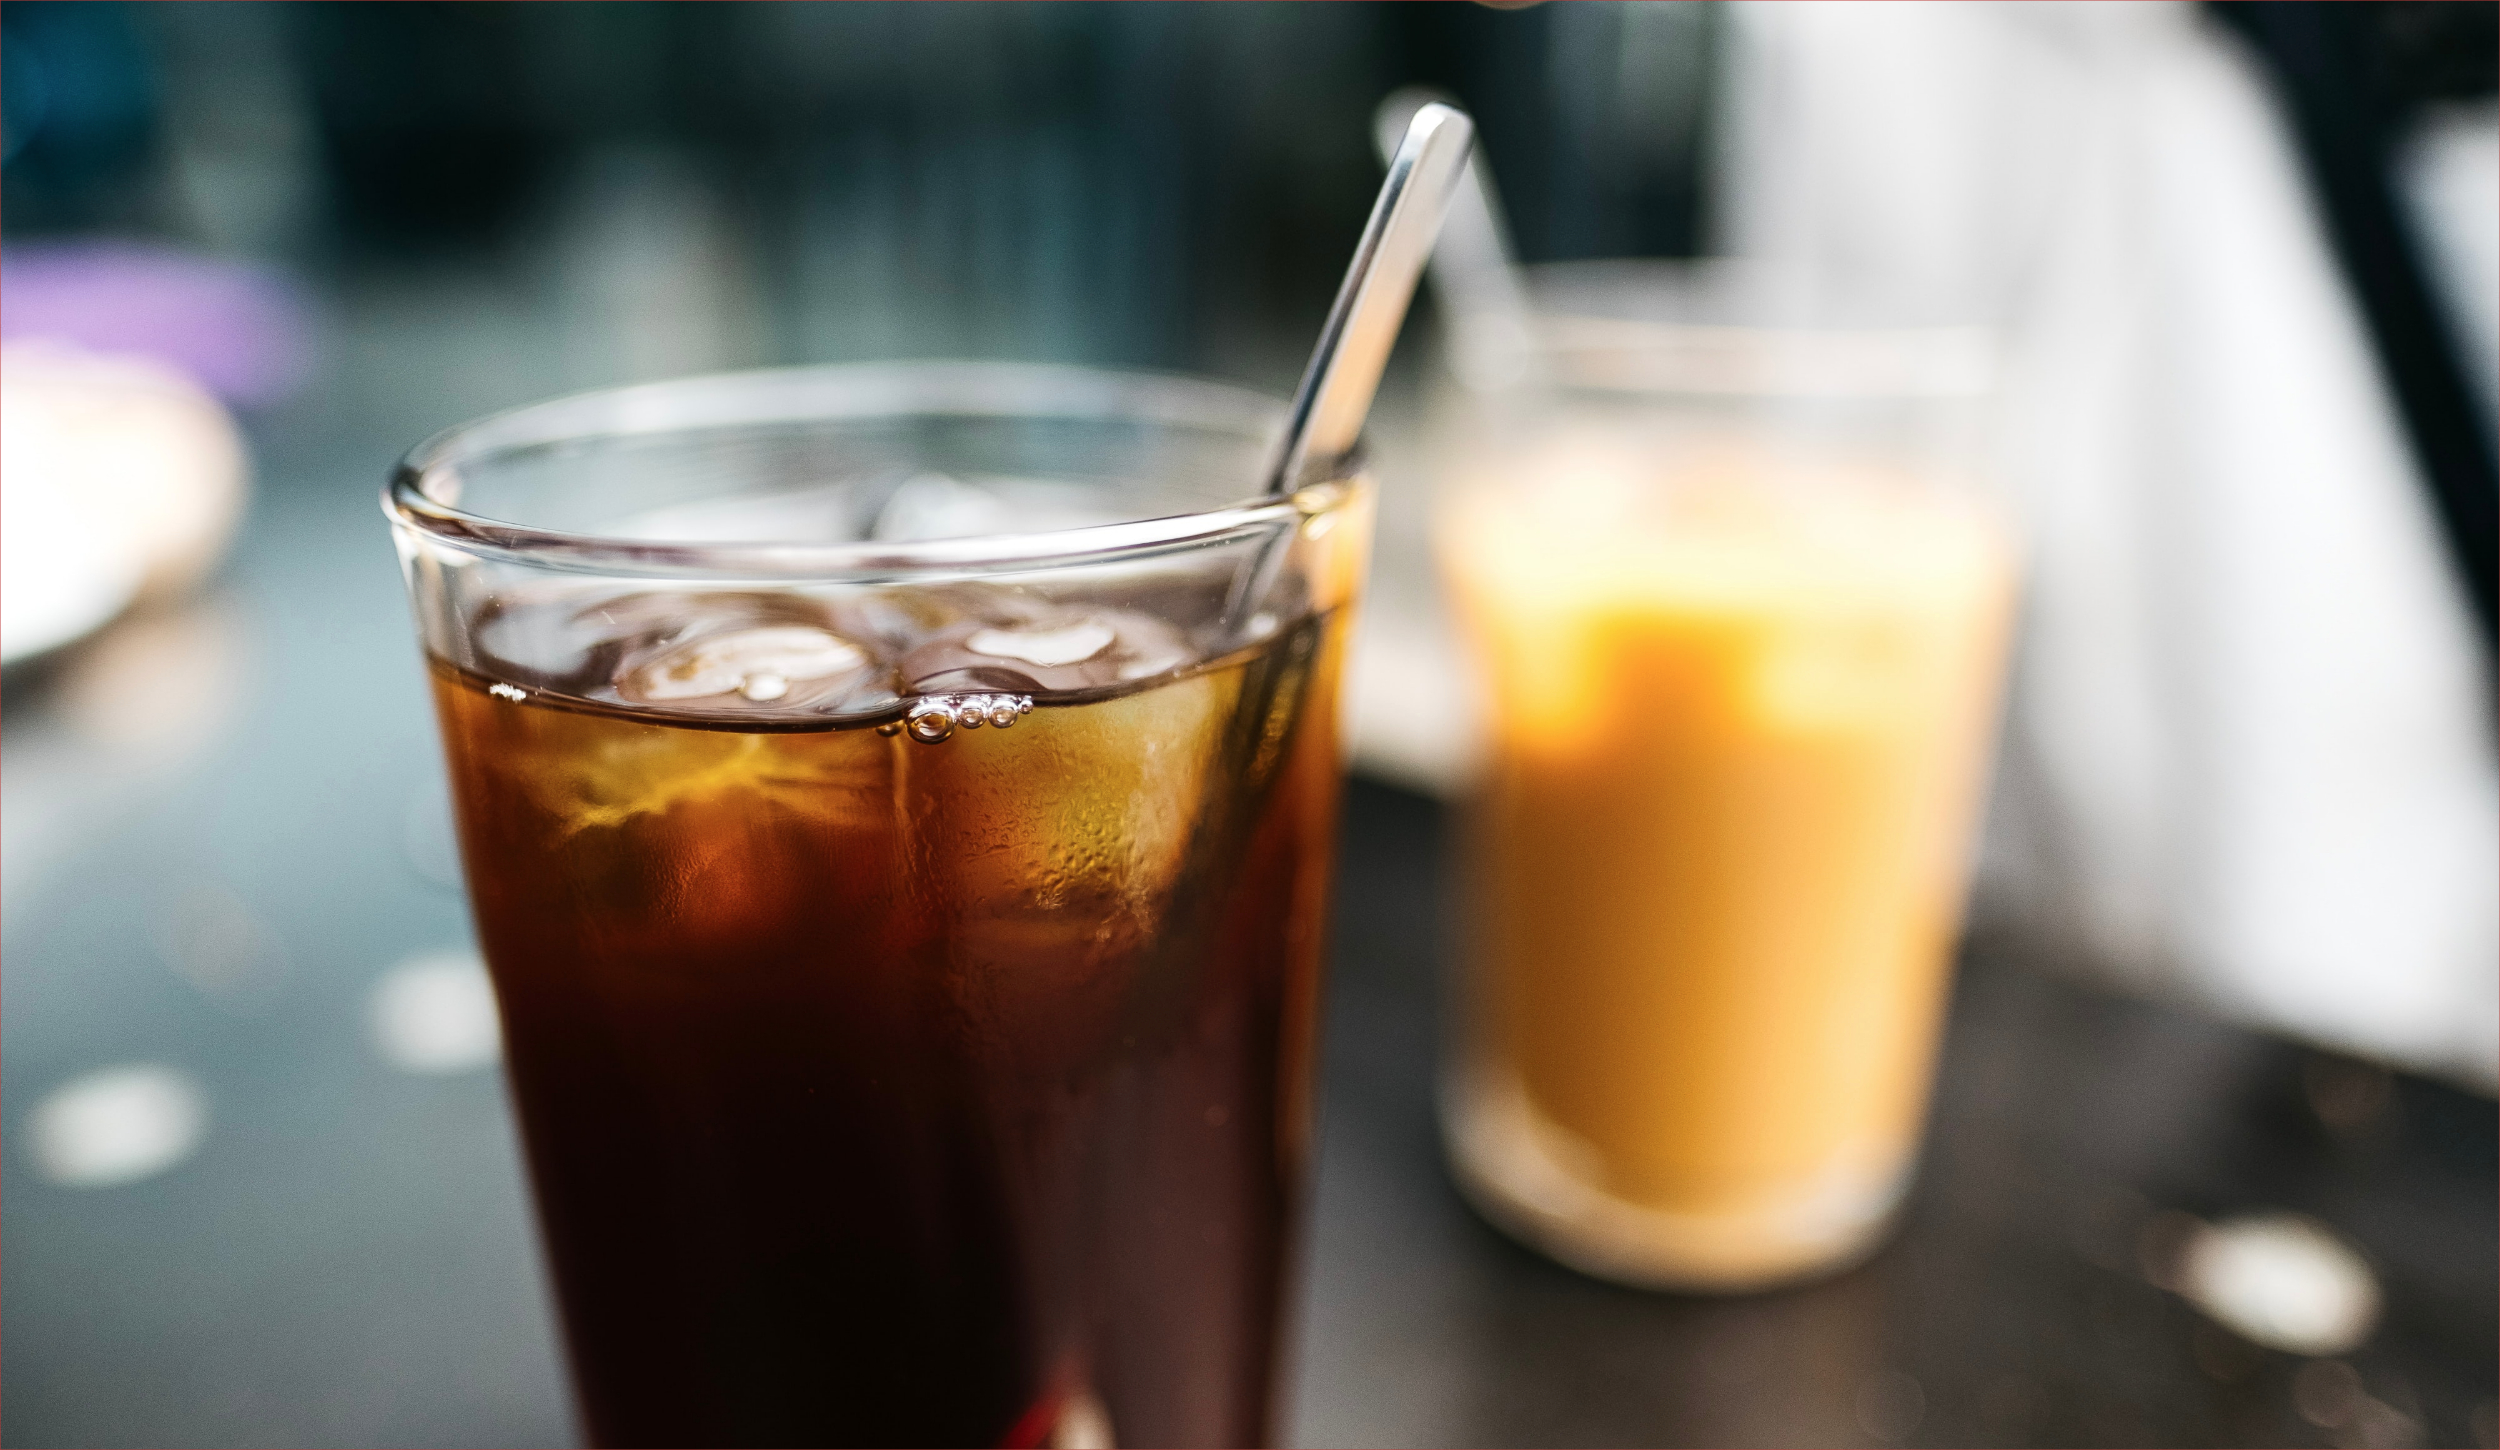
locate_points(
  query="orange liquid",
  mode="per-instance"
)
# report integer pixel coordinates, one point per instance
(1738, 726)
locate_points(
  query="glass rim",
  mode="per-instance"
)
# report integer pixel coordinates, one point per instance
(1780, 349)
(834, 392)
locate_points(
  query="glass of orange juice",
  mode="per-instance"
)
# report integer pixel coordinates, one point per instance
(1739, 612)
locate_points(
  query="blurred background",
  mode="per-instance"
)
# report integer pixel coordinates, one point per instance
(257, 1176)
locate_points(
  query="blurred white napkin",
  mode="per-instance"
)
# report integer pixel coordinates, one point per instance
(2249, 751)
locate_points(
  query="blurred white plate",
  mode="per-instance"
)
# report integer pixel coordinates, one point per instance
(118, 477)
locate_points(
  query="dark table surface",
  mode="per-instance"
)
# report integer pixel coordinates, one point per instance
(348, 1259)
(222, 825)
(2014, 1305)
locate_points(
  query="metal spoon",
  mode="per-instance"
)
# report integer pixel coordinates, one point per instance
(1336, 390)
(1485, 313)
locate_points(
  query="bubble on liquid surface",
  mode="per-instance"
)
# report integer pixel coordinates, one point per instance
(938, 717)
(760, 664)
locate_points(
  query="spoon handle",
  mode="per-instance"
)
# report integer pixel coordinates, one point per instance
(1336, 389)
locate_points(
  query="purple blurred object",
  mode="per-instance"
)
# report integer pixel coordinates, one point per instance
(240, 330)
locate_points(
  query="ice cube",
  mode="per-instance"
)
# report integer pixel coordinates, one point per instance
(551, 634)
(760, 664)
(1087, 810)
(934, 506)
(941, 506)
(817, 513)
(1048, 650)
(1074, 644)
(571, 637)
(591, 774)
(1058, 848)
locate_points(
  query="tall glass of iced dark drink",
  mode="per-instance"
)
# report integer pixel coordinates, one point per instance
(898, 805)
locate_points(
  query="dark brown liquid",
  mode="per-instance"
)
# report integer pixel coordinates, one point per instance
(885, 1092)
